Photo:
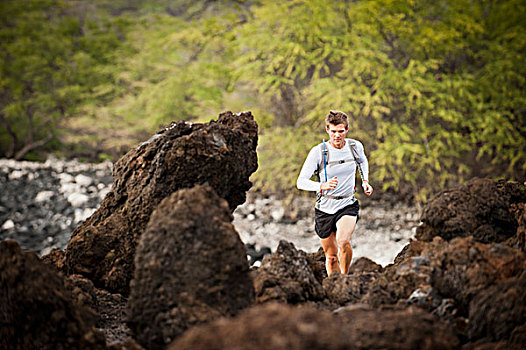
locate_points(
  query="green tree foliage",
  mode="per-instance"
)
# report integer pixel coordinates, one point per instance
(53, 58)
(436, 89)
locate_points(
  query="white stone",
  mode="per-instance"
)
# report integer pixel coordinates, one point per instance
(16, 174)
(83, 214)
(104, 192)
(65, 178)
(44, 196)
(77, 199)
(70, 188)
(9, 224)
(278, 213)
(83, 180)
(46, 251)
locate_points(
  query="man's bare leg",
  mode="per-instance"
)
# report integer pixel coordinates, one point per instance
(331, 253)
(344, 229)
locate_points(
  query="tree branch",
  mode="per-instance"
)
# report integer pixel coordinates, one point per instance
(31, 146)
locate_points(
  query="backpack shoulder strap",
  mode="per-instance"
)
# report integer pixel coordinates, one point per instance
(324, 155)
(354, 151)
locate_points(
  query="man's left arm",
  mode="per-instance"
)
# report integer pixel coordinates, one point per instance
(367, 188)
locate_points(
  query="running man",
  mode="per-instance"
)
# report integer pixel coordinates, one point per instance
(336, 210)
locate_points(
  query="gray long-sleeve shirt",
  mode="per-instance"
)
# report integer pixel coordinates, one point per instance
(345, 172)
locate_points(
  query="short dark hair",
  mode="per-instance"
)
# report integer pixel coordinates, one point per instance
(336, 118)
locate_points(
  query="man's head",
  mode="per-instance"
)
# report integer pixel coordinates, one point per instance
(337, 126)
(336, 118)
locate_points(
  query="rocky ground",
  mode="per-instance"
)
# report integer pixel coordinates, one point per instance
(160, 265)
(42, 203)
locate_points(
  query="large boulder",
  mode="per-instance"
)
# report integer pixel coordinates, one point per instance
(279, 326)
(465, 267)
(480, 208)
(286, 276)
(36, 308)
(221, 154)
(190, 268)
(499, 312)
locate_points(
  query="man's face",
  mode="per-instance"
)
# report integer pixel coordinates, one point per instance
(337, 134)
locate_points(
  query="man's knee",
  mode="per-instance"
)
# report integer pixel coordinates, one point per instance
(344, 244)
(331, 259)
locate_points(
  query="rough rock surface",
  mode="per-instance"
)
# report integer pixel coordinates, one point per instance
(36, 309)
(221, 153)
(343, 289)
(466, 267)
(276, 326)
(479, 208)
(364, 264)
(397, 282)
(287, 277)
(500, 310)
(317, 264)
(190, 268)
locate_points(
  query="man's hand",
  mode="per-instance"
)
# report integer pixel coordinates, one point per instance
(367, 189)
(329, 185)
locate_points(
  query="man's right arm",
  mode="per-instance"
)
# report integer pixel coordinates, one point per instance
(309, 167)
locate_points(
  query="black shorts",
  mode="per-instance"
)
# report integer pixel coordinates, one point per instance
(325, 224)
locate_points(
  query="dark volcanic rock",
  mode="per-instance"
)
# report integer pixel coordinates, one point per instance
(495, 312)
(519, 240)
(317, 264)
(480, 208)
(287, 277)
(221, 153)
(190, 268)
(56, 258)
(364, 264)
(411, 272)
(411, 328)
(465, 267)
(36, 309)
(111, 309)
(343, 289)
(83, 293)
(278, 326)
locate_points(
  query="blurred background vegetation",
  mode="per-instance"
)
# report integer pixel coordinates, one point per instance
(436, 88)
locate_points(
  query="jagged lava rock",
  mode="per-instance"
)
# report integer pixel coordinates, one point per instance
(317, 264)
(280, 326)
(190, 268)
(343, 289)
(466, 267)
(36, 309)
(286, 276)
(221, 153)
(479, 208)
(411, 271)
(499, 311)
